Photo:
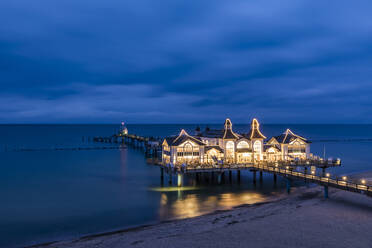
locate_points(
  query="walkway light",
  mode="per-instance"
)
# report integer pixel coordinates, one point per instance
(313, 172)
(328, 175)
(287, 167)
(363, 181)
(344, 178)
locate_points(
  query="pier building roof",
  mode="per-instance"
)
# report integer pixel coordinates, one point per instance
(255, 132)
(288, 136)
(181, 138)
(228, 132)
(207, 148)
(212, 133)
(267, 147)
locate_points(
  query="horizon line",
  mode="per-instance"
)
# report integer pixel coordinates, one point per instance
(119, 124)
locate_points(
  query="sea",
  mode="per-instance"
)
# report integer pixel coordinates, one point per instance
(57, 184)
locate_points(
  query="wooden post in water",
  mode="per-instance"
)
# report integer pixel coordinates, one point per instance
(230, 176)
(179, 179)
(162, 176)
(288, 185)
(238, 176)
(219, 177)
(254, 176)
(325, 191)
(170, 178)
(261, 177)
(274, 178)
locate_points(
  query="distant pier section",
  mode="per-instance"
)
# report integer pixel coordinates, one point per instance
(150, 145)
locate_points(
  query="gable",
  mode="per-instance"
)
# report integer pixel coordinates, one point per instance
(297, 141)
(273, 141)
(190, 141)
(272, 150)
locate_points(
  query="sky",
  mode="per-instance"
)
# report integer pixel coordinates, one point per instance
(171, 61)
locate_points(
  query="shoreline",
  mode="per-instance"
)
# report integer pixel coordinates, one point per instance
(273, 199)
(299, 196)
(304, 215)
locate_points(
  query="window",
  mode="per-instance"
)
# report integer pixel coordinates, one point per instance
(230, 149)
(257, 146)
(296, 149)
(242, 145)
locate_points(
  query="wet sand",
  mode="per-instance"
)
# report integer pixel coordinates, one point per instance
(302, 219)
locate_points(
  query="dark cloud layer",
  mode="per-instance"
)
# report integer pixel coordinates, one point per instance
(185, 61)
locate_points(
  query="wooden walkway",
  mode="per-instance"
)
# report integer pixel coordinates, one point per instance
(325, 179)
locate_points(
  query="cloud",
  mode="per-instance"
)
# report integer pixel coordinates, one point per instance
(169, 61)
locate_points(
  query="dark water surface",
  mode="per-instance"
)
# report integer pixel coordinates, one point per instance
(50, 195)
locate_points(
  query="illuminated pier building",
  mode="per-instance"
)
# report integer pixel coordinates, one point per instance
(225, 146)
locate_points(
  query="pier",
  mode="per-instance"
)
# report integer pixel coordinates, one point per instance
(288, 172)
(150, 145)
(299, 169)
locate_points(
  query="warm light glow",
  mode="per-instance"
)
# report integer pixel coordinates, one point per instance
(363, 181)
(313, 172)
(344, 178)
(256, 125)
(227, 147)
(328, 175)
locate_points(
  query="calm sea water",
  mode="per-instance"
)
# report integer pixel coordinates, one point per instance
(50, 195)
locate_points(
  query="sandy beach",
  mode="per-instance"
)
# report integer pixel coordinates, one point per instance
(302, 219)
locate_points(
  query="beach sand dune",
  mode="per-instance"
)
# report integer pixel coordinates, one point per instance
(302, 219)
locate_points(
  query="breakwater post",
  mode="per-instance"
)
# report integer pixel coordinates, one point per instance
(289, 184)
(325, 191)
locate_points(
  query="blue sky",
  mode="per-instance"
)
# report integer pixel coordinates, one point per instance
(169, 61)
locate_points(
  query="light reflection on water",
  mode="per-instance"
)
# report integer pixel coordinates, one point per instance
(192, 205)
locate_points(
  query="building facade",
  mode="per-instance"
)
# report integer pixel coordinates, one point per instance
(213, 146)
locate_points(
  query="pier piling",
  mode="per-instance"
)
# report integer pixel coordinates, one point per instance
(288, 185)
(170, 178)
(179, 179)
(162, 175)
(219, 178)
(325, 191)
(261, 177)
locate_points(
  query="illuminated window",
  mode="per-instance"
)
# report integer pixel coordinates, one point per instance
(187, 149)
(257, 146)
(230, 149)
(242, 144)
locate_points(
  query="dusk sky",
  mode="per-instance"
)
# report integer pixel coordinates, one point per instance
(169, 61)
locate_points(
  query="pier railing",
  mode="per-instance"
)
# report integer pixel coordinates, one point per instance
(324, 179)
